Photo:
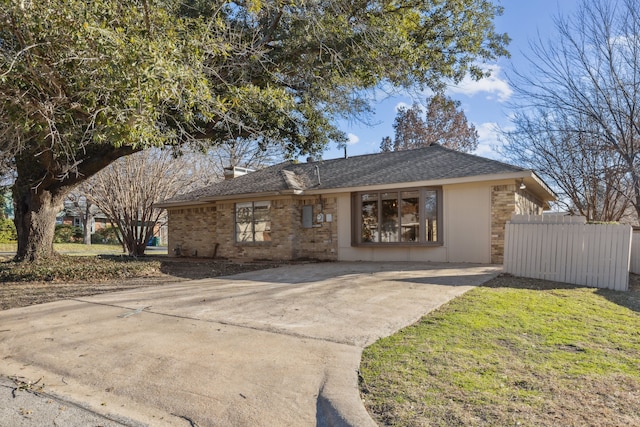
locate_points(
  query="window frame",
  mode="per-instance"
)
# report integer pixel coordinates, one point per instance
(252, 221)
(357, 217)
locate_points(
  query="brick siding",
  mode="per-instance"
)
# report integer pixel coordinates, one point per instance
(503, 205)
(506, 200)
(192, 230)
(197, 230)
(320, 241)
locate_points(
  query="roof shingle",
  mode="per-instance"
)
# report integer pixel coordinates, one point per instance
(422, 164)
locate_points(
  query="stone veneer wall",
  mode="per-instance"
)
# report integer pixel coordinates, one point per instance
(506, 200)
(279, 247)
(320, 241)
(192, 229)
(528, 204)
(197, 230)
(503, 205)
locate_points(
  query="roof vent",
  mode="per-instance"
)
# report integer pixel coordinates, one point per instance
(236, 171)
(311, 159)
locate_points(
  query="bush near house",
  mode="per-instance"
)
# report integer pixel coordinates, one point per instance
(66, 233)
(7, 231)
(106, 236)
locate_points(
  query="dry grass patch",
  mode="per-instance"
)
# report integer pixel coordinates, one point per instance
(76, 268)
(23, 284)
(64, 277)
(514, 352)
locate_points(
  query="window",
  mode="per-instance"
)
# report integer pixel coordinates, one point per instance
(253, 222)
(399, 217)
(410, 216)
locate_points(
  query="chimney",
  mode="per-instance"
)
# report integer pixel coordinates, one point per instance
(235, 171)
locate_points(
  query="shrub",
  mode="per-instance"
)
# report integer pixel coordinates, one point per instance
(107, 236)
(7, 231)
(66, 233)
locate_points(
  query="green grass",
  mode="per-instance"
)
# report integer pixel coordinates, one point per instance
(80, 249)
(515, 352)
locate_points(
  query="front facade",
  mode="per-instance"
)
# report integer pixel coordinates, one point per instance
(412, 206)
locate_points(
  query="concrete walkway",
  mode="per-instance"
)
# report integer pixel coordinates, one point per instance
(272, 347)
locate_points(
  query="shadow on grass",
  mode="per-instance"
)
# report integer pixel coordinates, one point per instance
(509, 281)
(629, 299)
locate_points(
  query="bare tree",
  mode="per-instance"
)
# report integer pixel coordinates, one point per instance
(444, 124)
(447, 125)
(85, 208)
(127, 190)
(246, 153)
(386, 144)
(410, 129)
(579, 107)
(588, 176)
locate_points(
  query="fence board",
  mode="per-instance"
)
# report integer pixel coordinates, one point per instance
(635, 252)
(624, 263)
(596, 255)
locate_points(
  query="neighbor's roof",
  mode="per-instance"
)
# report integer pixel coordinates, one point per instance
(423, 164)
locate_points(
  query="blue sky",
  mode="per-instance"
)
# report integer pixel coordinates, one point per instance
(484, 102)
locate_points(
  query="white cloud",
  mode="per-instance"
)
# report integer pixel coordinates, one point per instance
(494, 85)
(400, 105)
(407, 106)
(488, 140)
(353, 138)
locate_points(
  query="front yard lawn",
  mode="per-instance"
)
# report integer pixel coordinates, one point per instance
(515, 352)
(82, 249)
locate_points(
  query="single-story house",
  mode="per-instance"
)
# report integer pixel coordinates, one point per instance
(74, 215)
(427, 204)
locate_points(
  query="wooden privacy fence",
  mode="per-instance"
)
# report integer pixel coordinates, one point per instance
(566, 249)
(635, 252)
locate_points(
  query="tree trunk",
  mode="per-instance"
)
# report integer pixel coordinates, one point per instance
(39, 191)
(35, 220)
(135, 240)
(86, 228)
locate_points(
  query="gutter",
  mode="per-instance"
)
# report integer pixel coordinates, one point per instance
(530, 178)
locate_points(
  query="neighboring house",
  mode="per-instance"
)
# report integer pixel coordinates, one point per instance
(72, 214)
(428, 204)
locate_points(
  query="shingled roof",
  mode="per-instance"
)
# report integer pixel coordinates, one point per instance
(431, 163)
(423, 164)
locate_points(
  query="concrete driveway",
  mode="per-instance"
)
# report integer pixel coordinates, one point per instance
(271, 347)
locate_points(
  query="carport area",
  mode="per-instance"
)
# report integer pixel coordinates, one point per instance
(271, 347)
